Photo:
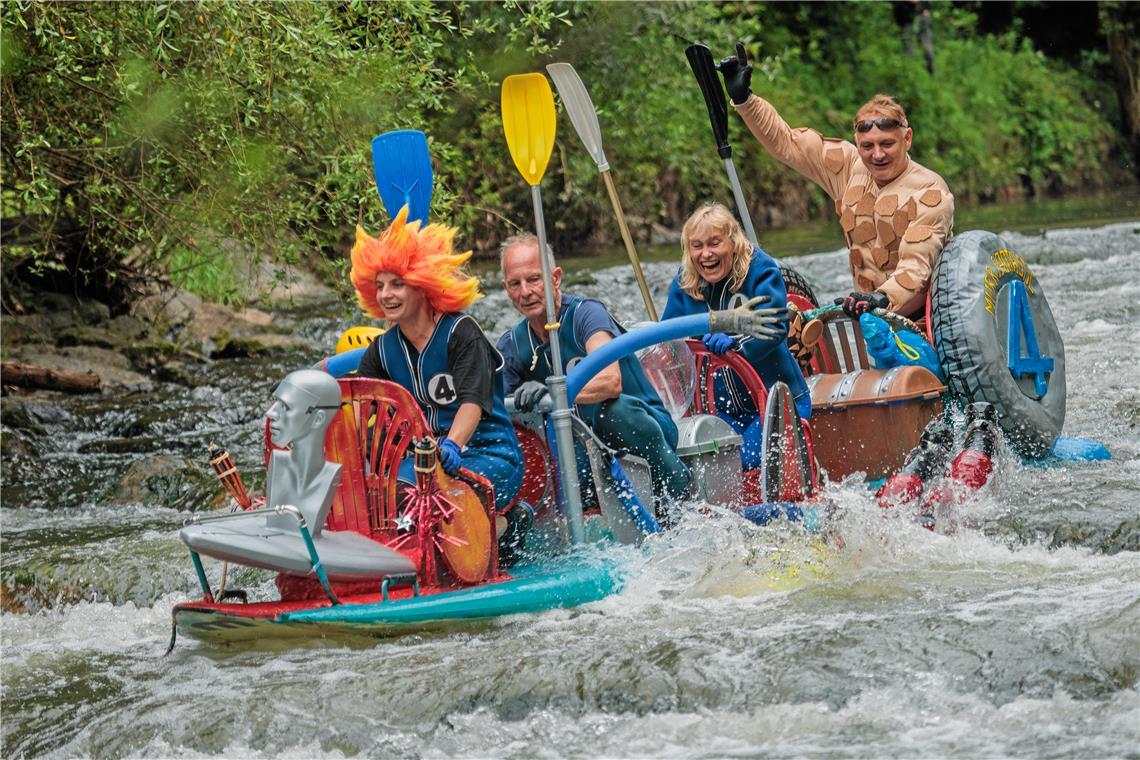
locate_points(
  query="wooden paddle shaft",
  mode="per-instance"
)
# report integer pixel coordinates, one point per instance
(629, 248)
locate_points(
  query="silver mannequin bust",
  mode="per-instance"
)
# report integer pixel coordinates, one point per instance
(304, 404)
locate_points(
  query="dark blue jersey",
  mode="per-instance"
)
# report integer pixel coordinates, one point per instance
(527, 357)
(442, 377)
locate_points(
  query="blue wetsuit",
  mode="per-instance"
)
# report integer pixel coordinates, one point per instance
(458, 365)
(771, 359)
(635, 421)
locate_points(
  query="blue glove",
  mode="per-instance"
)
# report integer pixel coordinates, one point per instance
(718, 343)
(803, 406)
(450, 456)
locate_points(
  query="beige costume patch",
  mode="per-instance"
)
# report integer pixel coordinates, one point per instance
(917, 233)
(853, 194)
(866, 205)
(864, 233)
(931, 198)
(833, 160)
(881, 257)
(847, 219)
(900, 222)
(855, 258)
(886, 231)
(864, 285)
(911, 210)
(886, 205)
(906, 280)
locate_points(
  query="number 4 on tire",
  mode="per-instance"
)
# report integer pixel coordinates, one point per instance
(1021, 324)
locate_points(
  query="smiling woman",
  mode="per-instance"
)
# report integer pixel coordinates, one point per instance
(411, 276)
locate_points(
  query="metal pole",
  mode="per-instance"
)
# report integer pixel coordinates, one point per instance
(741, 205)
(563, 433)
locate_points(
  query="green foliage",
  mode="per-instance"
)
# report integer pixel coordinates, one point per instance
(138, 138)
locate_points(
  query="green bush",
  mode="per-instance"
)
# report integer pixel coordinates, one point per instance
(136, 136)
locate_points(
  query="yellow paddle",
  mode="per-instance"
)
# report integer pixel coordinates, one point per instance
(529, 123)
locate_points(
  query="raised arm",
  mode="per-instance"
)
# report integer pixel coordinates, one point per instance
(827, 162)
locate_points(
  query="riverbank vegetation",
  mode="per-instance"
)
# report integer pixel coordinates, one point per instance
(183, 142)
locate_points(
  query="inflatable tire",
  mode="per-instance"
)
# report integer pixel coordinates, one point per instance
(797, 285)
(970, 312)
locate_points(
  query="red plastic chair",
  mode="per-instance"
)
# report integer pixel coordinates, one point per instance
(370, 454)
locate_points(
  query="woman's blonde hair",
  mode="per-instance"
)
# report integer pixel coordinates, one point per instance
(718, 217)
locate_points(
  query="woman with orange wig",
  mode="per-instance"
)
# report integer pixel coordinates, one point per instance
(411, 277)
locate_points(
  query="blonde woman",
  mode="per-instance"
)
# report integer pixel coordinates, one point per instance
(720, 269)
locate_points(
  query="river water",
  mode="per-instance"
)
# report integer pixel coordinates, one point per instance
(1019, 635)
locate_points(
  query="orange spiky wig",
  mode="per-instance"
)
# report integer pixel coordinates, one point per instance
(424, 259)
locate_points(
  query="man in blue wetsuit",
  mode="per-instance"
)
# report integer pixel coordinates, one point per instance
(619, 403)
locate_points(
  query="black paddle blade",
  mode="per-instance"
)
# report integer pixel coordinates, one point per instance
(704, 69)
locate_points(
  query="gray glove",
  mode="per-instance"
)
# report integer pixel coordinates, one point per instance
(762, 324)
(737, 73)
(529, 394)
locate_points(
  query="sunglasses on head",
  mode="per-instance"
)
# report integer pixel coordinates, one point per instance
(885, 123)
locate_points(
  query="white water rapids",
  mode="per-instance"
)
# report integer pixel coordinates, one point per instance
(1017, 636)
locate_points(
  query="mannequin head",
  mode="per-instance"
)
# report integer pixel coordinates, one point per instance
(304, 402)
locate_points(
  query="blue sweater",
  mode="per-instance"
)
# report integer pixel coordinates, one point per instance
(770, 358)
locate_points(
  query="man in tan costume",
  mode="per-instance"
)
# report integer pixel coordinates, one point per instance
(896, 214)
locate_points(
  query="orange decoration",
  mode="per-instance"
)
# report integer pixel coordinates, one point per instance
(468, 554)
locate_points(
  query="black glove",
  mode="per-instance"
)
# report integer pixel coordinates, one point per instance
(856, 303)
(529, 394)
(737, 73)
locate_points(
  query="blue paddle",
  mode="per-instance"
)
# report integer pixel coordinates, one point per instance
(402, 167)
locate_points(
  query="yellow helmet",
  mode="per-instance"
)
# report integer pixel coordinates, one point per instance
(357, 337)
